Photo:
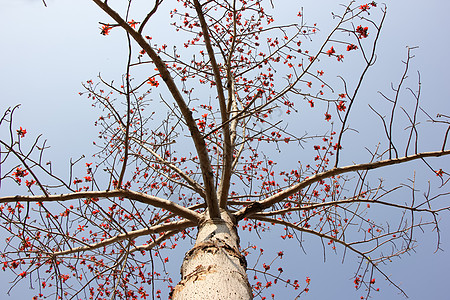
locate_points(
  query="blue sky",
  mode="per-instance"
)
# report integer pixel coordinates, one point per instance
(47, 52)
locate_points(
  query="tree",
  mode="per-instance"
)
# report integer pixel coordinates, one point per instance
(208, 161)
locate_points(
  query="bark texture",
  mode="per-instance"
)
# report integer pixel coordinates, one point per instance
(214, 268)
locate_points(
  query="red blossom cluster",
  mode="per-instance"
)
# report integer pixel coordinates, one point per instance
(153, 82)
(351, 47)
(367, 6)
(19, 173)
(133, 23)
(341, 106)
(439, 172)
(331, 51)
(21, 132)
(29, 183)
(105, 29)
(362, 31)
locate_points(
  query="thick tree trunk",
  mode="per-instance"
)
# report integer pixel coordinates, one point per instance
(214, 268)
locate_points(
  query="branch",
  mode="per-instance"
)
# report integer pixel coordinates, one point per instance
(22, 160)
(199, 142)
(329, 237)
(175, 226)
(227, 147)
(192, 183)
(369, 63)
(158, 240)
(131, 195)
(344, 201)
(313, 59)
(270, 201)
(149, 15)
(128, 124)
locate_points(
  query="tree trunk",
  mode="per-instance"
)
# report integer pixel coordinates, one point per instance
(214, 268)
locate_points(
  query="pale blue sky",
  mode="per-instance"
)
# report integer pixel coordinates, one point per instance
(47, 52)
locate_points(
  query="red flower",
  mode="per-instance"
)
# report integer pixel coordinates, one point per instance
(153, 82)
(30, 183)
(21, 132)
(439, 173)
(364, 7)
(337, 146)
(327, 116)
(351, 47)
(362, 31)
(133, 23)
(105, 29)
(311, 103)
(331, 51)
(201, 124)
(341, 106)
(19, 173)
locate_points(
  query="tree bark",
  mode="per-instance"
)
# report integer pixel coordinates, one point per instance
(214, 268)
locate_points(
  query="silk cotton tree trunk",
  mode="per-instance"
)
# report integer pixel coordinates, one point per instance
(214, 268)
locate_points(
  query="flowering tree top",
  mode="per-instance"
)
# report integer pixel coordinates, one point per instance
(240, 122)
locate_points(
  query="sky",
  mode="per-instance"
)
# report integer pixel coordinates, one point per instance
(48, 51)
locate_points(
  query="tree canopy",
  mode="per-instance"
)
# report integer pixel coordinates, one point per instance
(232, 108)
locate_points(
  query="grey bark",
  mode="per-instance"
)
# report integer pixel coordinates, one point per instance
(214, 268)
